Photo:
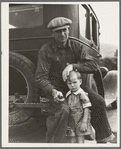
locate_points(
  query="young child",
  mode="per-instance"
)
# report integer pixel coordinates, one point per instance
(79, 103)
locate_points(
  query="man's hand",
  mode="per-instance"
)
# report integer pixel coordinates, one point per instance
(82, 126)
(57, 95)
(66, 71)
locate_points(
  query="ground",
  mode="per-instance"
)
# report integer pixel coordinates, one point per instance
(31, 132)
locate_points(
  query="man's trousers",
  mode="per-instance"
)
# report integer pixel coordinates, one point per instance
(57, 123)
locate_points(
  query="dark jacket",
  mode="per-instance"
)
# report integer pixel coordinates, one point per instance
(52, 59)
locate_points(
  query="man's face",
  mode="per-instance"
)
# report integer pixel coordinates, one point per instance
(61, 36)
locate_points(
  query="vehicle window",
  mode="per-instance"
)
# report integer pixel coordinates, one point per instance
(84, 22)
(25, 16)
(94, 30)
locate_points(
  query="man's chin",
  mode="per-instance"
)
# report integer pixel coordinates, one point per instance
(63, 41)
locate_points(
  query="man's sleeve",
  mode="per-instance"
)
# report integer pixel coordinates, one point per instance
(42, 73)
(86, 63)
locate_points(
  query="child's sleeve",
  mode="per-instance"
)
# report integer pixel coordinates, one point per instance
(85, 100)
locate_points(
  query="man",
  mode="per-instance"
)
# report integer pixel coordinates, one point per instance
(55, 60)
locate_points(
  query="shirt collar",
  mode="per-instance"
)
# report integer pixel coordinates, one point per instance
(55, 46)
(75, 93)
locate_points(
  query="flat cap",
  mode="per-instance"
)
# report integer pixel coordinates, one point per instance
(59, 23)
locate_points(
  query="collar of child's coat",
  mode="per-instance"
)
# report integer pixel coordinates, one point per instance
(75, 93)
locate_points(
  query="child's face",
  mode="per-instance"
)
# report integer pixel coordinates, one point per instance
(74, 83)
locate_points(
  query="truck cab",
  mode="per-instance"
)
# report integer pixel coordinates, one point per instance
(28, 32)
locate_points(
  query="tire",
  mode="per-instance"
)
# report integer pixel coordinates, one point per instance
(92, 83)
(95, 83)
(104, 71)
(21, 81)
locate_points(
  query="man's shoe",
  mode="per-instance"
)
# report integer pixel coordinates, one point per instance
(110, 139)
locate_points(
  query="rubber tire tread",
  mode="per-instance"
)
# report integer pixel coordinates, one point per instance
(28, 69)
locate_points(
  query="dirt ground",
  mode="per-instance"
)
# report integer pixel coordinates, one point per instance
(32, 132)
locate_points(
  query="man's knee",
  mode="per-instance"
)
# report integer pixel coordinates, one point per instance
(95, 98)
(101, 102)
(98, 101)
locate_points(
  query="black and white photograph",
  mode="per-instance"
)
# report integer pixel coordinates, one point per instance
(60, 74)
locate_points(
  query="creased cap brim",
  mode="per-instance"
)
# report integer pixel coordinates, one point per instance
(59, 23)
(59, 28)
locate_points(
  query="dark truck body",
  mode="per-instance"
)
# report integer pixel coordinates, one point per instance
(29, 32)
(27, 41)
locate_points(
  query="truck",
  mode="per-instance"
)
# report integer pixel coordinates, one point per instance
(27, 33)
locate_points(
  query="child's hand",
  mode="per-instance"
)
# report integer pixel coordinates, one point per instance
(82, 126)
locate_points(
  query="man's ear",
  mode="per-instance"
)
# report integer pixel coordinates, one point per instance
(80, 81)
(69, 29)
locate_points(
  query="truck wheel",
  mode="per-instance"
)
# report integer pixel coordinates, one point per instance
(104, 71)
(95, 84)
(21, 89)
(92, 83)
